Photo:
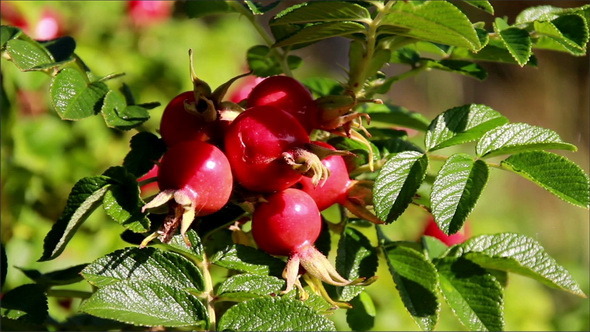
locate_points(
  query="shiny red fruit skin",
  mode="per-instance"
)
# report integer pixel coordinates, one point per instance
(433, 230)
(334, 189)
(287, 94)
(145, 13)
(151, 187)
(178, 124)
(288, 221)
(201, 171)
(254, 144)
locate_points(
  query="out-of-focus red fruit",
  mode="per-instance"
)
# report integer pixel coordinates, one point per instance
(146, 13)
(242, 90)
(50, 26)
(12, 16)
(432, 229)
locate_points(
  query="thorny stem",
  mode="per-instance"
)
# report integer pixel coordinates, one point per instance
(280, 55)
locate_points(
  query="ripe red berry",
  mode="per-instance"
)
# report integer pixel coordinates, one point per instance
(288, 94)
(151, 187)
(432, 229)
(196, 177)
(285, 223)
(266, 149)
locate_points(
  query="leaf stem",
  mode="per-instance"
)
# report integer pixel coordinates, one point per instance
(209, 295)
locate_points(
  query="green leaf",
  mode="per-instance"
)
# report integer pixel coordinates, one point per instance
(361, 317)
(435, 21)
(395, 115)
(462, 67)
(66, 276)
(145, 264)
(122, 202)
(517, 41)
(7, 33)
(520, 254)
(246, 286)
(85, 196)
(319, 31)
(555, 173)
(569, 31)
(356, 257)
(146, 150)
(26, 303)
(195, 9)
(259, 7)
(481, 4)
(433, 247)
(273, 314)
(264, 62)
(538, 13)
(460, 125)
(247, 259)
(494, 51)
(456, 189)
(323, 86)
(332, 11)
(3, 265)
(519, 137)
(61, 49)
(195, 250)
(397, 182)
(27, 54)
(416, 281)
(360, 150)
(473, 294)
(73, 97)
(146, 303)
(117, 114)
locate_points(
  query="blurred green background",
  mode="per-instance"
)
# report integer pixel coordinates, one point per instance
(43, 156)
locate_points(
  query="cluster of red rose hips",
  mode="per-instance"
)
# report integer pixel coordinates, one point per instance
(257, 153)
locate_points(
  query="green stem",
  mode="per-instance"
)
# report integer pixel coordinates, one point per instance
(281, 56)
(68, 293)
(208, 293)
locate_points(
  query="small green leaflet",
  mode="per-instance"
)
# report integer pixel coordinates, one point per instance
(435, 21)
(32, 311)
(356, 257)
(462, 67)
(361, 317)
(320, 31)
(520, 254)
(332, 11)
(117, 114)
(28, 54)
(144, 264)
(519, 137)
(264, 62)
(456, 189)
(395, 115)
(65, 276)
(73, 97)
(247, 259)
(460, 125)
(246, 286)
(517, 41)
(555, 173)
(397, 182)
(85, 196)
(473, 294)
(146, 150)
(569, 31)
(273, 314)
(196, 249)
(146, 303)
(416, 280)
(481, 4)
(7, 33)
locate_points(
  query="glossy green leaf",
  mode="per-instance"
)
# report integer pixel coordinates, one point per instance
(361, 317)
(117, 114)
(65, 276)
(462, 67)
(320, 31)
(460, 125)
(123, 204)
(569, 31)
(27, 54)
(433, 247)
(435, 21)
(7, 33)
(264, 62)
(481, 4)
(85, 196)
(355, 258)
(73, 97)
(456, 189)
(142, 265)
(519, 137)
(196, 249)
(247, 259)
(517, 41)
(395, 115)
(473, 294)
(246, 286)
(397, 183)
(146, 303)
(416, 281)
(520, 254)
(555, 173)
(274, 314)
(494, 51)
(145, 150)
(61, 49)
(259, 7)
(322, 86)
(538, 13)
(25, 303)
(332, 11)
